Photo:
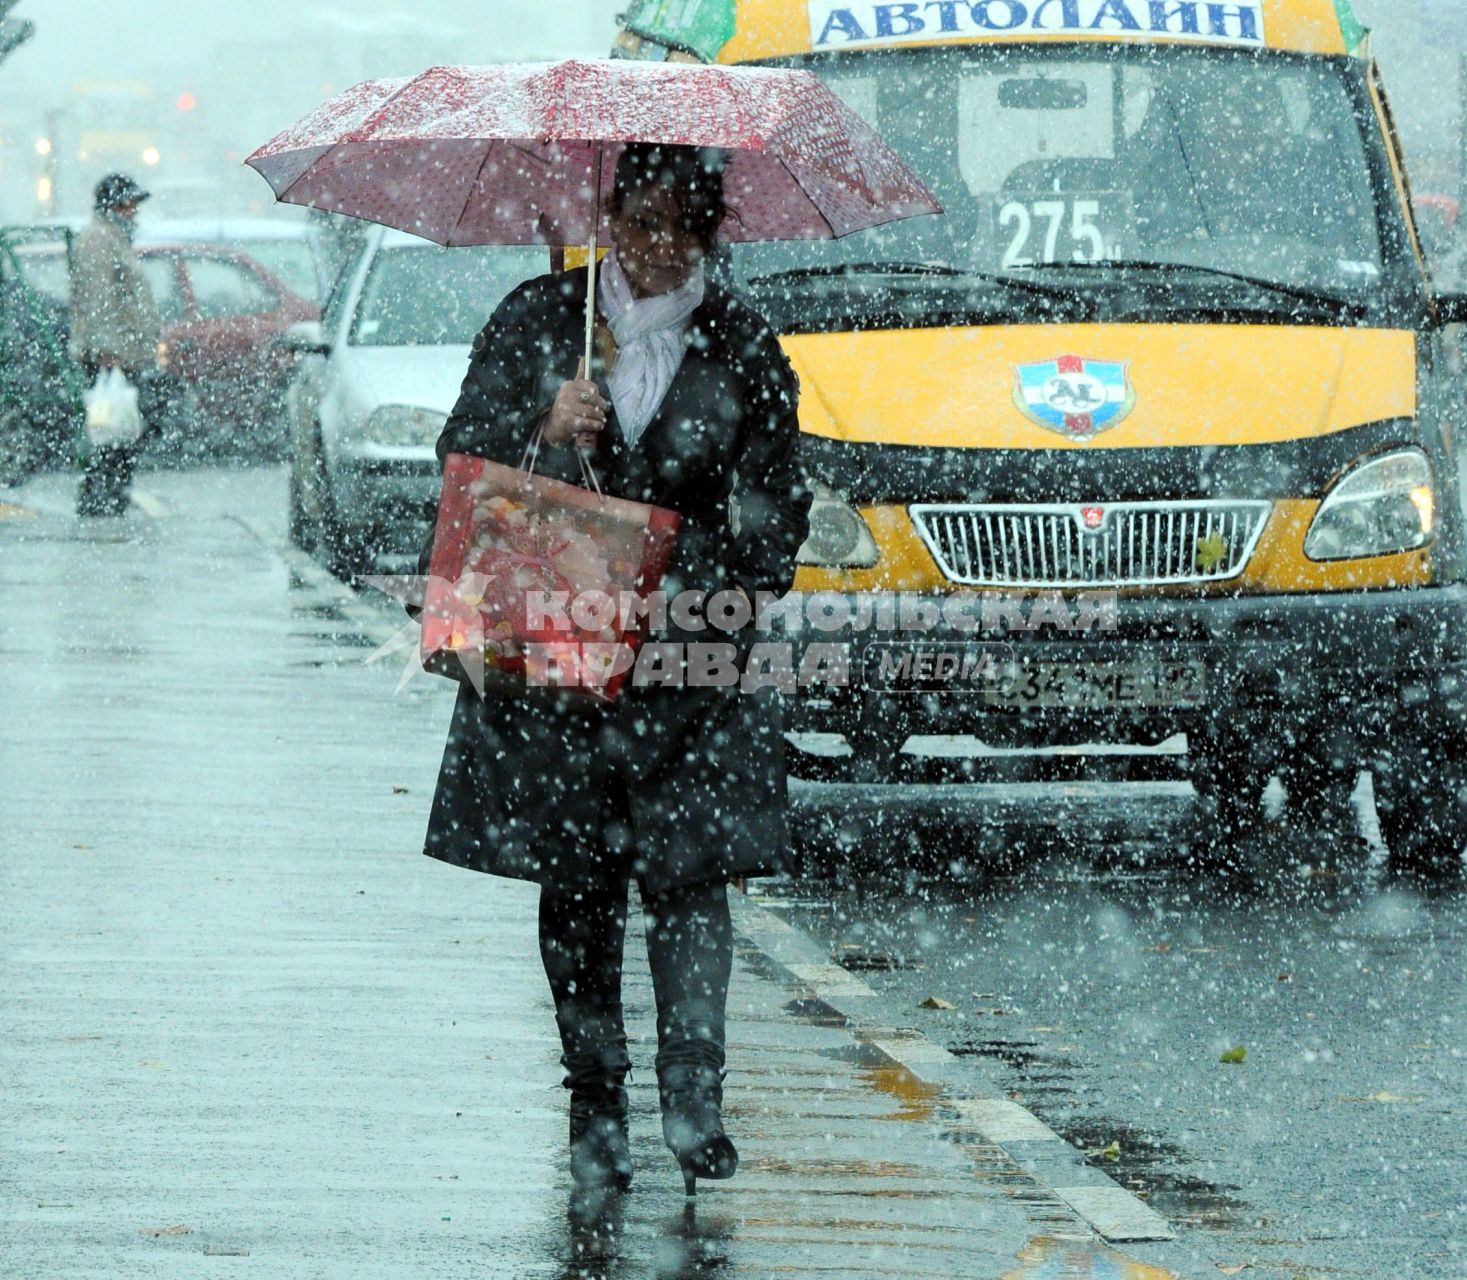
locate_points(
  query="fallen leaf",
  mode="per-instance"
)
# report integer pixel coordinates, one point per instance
(177, 1230)
(1286, 977)
(1232, 1268)
(1112, 1152)
(936, 1002)
(1235, 1055)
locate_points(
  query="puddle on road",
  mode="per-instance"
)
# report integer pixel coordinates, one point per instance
(916, 1097)
(1048, 1259)
(1152, 1169)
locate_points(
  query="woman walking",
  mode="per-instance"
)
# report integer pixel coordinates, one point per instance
(681, 789)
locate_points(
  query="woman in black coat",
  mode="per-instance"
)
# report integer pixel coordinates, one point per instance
(681, 788)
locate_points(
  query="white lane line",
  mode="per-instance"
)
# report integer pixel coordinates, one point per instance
(1000, 1120)
(830, 979)
(1113, 1212)
(1116, 1213)
(149, 505)
(915, 1051)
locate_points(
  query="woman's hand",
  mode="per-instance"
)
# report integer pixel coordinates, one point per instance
(578, 414)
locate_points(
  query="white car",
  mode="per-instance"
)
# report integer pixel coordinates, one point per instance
(377, 379)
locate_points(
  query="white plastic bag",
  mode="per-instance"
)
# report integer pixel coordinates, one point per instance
(113, 417)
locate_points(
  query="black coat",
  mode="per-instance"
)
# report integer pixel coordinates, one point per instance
(687, 783)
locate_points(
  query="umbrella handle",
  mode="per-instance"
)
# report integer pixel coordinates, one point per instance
(591, 300)
(591, 265)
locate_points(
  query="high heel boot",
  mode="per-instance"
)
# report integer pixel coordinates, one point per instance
(690, 1088)
(600, 1155)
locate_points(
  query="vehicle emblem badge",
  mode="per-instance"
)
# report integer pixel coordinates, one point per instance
(1075, 397)
(1212, 552)
(1092, 517)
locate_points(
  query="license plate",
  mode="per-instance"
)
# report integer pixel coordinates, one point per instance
(1100, 686)
(1000, 676)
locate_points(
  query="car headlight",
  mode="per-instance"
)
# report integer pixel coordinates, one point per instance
(1382, 507)
(838, 537)
(400, 424)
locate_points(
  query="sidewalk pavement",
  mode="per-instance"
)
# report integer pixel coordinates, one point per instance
(248, 1029)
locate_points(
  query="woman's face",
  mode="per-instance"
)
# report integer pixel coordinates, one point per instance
(655, 250)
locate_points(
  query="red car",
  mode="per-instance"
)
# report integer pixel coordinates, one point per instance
(222, 315)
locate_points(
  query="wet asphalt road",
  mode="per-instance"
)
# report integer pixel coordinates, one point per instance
(1100, 986)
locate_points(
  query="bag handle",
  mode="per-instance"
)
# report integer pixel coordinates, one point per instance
(531, 456)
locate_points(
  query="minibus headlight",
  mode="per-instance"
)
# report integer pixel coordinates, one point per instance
(401, 424)
(839, 538)
(1382, 507)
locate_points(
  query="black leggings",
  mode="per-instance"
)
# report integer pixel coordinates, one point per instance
(689, 950)
(109, 469)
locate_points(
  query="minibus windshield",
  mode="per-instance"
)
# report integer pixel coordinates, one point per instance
(1117, 158)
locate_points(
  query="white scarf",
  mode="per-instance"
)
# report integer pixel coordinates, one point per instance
(649, 339)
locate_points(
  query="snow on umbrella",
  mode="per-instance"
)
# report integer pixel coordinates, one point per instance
(525, 153)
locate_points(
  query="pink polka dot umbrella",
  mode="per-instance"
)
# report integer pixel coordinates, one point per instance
(525, 153)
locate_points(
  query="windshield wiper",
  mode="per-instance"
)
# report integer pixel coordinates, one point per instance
(833, 271)
(1319, 297)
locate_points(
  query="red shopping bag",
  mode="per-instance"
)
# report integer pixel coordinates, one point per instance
(531, 580)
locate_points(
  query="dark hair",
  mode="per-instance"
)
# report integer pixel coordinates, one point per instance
(694, 175)
(115, 191)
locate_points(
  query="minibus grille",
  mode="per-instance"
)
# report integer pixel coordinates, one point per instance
(1119, 544)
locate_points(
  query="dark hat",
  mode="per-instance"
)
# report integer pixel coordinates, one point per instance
(117, 190)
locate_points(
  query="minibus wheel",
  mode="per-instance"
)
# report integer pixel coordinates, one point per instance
(1230, 771)
(1421, 803)
(1319, 785)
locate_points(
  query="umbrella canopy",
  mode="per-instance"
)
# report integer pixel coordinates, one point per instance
(525, 153)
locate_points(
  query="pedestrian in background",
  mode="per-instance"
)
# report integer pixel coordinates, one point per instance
(115, 324)
(692, 407)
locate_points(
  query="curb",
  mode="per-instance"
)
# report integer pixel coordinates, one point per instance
(372, 623)
(1115, 1214)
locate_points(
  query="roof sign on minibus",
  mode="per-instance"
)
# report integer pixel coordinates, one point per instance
(841, 24)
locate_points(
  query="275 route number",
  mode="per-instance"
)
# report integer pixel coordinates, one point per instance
(1053, 229)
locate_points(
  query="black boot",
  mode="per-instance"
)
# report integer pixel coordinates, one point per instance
(690, 1087)
(600, 1155)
